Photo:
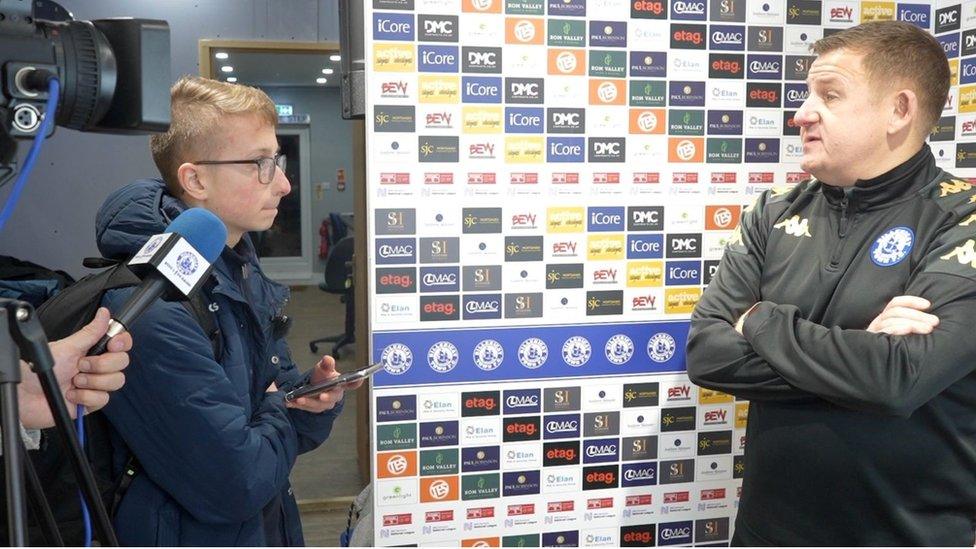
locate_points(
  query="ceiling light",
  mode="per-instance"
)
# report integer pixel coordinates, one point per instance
(321, 80)
(222, 55)
(227, 68)
(327, 71)
(335, 57)
(232, 79)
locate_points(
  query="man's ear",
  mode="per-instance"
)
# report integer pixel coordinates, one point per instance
(904, 112)
(191, 181)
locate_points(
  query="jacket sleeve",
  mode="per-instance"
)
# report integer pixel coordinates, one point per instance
(717, 356)
(312, 429)
(188, 424)
(890, 375)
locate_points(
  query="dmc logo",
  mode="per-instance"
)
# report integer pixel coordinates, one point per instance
(684, 244)
(524, 89)
(482, 58)
(570, 119)
(948, 18)
(603, 149)
(444, 27)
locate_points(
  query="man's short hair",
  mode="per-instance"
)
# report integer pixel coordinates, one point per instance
(898, 53)
(198, 106)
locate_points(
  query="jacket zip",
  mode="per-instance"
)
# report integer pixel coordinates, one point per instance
(846, 220)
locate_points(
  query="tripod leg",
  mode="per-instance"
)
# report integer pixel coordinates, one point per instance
(38, 501)
(13, 469)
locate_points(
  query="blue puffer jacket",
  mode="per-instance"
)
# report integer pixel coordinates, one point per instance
(215, 448)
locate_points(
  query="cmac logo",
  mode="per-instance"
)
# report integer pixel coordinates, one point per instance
(727, 37)
(794, 95)
(605, 219)
(486, 306)
(565, 149)
(481, 89)
(481, 60)
(688, 10)
(765, 67)
(393, 26)
(524, 90)
(674, 533)
(562, 426)
(395, 250)
(524, 119)
(439, 279)
(521, 401)
(437, 58)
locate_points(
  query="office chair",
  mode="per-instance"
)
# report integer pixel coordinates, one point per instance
(338, 280)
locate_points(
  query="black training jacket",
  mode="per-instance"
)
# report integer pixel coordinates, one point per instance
(854, 438)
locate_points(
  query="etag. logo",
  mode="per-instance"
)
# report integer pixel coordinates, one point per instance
(689, 37)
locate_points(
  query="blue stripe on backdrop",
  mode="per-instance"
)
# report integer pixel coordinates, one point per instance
(422, 357)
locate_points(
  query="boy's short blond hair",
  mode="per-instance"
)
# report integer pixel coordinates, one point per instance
(198, 106)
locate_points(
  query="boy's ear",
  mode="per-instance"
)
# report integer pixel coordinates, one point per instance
(192, 181)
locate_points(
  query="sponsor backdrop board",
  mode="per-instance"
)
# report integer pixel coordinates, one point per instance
(551, 184)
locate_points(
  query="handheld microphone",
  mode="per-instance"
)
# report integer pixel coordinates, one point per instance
(178, 260)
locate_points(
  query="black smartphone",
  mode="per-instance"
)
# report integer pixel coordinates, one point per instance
(349, 377)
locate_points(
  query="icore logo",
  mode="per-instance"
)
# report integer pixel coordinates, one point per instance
(481, 89)
(187, 263)
(488, 354)
(565, 149)
(661, 347)
(438, 58)
(606, 219)
(396, 358)
(523, 120)
(392, 26)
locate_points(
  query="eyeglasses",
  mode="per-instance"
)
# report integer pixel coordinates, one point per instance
(266, 165)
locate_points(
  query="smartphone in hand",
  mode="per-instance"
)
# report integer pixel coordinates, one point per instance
(349, 377)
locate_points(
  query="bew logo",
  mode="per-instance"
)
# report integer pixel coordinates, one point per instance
(794, 226)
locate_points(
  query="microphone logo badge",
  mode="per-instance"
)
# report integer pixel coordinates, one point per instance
(187, 263)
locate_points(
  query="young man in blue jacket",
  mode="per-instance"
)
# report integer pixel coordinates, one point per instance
(212, 436)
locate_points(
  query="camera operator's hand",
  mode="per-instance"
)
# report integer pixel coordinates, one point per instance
(83, 380)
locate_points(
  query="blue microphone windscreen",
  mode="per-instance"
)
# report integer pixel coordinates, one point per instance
(203, 230)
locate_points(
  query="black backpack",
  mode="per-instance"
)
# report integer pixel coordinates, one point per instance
(61, 316)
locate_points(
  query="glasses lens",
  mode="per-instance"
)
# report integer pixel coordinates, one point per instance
(267, 170)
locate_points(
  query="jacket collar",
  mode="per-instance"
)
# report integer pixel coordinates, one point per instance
(888, 188)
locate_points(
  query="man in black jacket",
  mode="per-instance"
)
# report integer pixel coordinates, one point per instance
(844, 310)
